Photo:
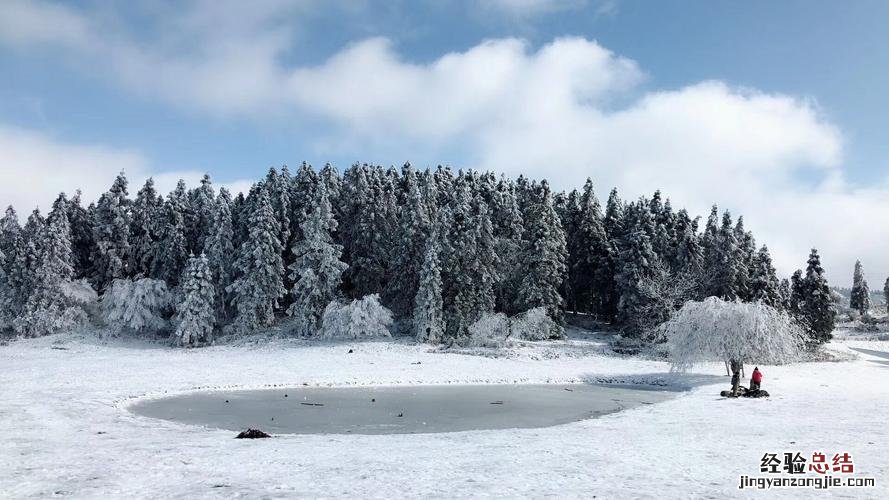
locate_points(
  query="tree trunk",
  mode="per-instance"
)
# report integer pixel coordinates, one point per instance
(736, 366)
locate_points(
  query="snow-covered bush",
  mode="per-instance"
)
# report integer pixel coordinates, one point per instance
(361, 318)
(53, 318)
(717, 330)
(496, 330)
(534, 324)
(491, 330)
(138, 305)
(80, 292)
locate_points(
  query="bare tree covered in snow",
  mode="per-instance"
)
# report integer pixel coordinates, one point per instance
(736, 332)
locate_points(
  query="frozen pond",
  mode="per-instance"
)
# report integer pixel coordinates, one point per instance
(396, 409)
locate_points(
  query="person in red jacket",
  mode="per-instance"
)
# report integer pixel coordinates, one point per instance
(756, 379)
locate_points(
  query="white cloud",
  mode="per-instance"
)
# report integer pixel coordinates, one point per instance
(25, 23)
(564, 111)
(35, 168)
(550, 113)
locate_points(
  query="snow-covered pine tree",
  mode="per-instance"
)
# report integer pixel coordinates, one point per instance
(614, 216)
(83, 245)
(302, 197)
(47, 309)
(23, 273)
(430, 193)
(723, 260)
(667, 223)
(239, 219)
(444, 183)
(886, 294)
(662, 241)
(10, 236)
(524, 192)
(7, 296)
(195, 314)
(567, 207)
(403, 185)
(506, 219)
(712, 261)
(764, 285)
(797, 293)
(428, 315)
(201, 203)
(172, 253)
(860, 297)
(259, 268)
(485, 261)
(591, 274)
(469, 262)
(613, 223)
(146, 212)
(60, 204)
(689, 252)
(10, 232)
(368, 238)
(414, 228)
(386, 198)
(544, 256)
(279, 187)
(331, 177)
(745, 255)
(786, 294)
(634, 265)
(111, 232)
(220, 252)
(356, 199)
(11, 245)
(316, 270)
(811, 301)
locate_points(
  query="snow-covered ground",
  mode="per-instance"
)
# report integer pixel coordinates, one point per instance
(66, 430)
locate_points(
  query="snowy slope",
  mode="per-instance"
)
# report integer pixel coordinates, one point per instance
(66, 429)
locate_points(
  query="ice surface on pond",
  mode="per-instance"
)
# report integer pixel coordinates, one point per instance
(396, 409)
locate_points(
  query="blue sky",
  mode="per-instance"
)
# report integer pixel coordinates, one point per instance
(741, 104)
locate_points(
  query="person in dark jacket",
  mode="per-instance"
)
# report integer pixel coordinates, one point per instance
(755, 379)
